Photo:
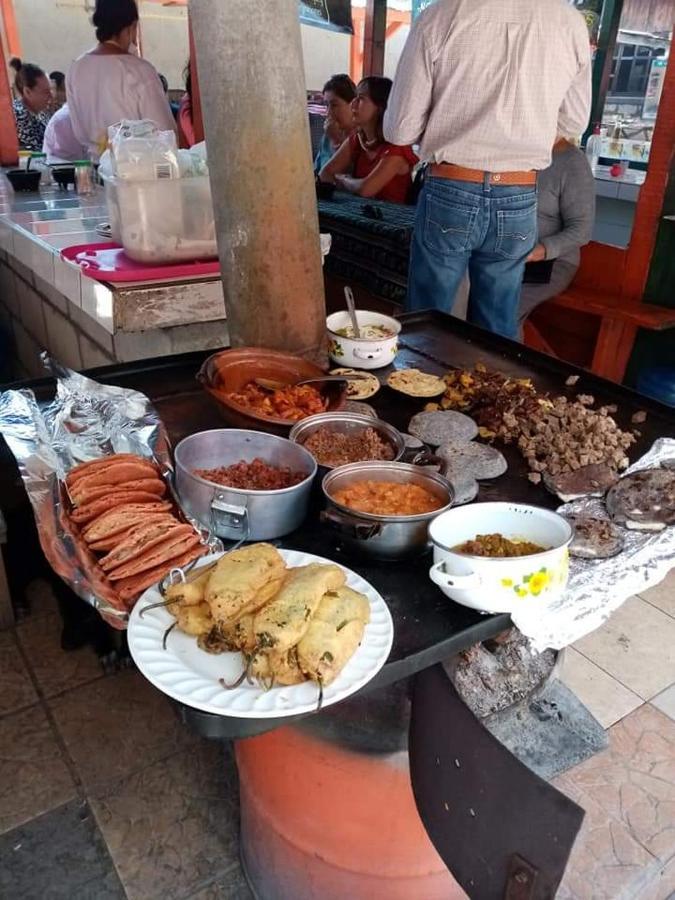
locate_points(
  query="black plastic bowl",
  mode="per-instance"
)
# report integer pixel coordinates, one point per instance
(64, 176)
(22, 180)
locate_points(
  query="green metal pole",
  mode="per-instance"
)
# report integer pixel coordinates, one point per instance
(602, 65)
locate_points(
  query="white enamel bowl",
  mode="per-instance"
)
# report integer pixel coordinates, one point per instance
(362, 353)
(496, 585)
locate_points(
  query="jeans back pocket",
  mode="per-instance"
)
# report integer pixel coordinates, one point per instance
(448, 225)
(516, 231)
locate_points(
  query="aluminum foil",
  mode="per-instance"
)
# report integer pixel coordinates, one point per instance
(596, 588)
(85, 420)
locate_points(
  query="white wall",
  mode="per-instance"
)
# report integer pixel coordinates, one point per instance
(325, 53)
(393, 48)
(165, 40)
(54, 32)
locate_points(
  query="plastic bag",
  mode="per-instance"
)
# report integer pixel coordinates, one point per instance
(140, 152)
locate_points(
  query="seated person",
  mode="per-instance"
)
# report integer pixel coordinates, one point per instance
(57, 81)
(186, 127)
(338, 95)
(565, 215)
(366, 164)
(31, 109)
(60, 143)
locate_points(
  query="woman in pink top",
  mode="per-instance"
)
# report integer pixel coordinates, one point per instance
(111, 83)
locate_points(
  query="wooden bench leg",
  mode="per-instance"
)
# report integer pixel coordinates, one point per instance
(613, 348)
(533, 338)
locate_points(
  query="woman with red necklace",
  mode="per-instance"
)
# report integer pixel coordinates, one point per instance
(366, 164)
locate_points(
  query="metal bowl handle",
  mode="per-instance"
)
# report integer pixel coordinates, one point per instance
(369, 354)
(426, 457)
(227, 515)
(445, 580)
(351, 526)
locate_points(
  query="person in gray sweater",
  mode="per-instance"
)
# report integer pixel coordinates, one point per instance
(565, 216)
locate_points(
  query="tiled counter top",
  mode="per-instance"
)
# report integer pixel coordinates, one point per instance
(46, 303)
(616, 199)
(624, 187)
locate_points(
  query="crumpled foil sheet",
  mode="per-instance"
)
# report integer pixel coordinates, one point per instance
(597, 588)
(84, 421)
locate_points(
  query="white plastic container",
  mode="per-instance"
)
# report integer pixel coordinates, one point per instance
(162, 221)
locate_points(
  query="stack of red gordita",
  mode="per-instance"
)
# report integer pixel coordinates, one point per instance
(119, 507)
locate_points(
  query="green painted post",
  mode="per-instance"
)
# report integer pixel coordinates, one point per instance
(602, 65)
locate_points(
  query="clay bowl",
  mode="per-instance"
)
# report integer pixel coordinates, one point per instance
(230, 370)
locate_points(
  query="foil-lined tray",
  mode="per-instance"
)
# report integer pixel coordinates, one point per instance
(85, 420)
(598, 587)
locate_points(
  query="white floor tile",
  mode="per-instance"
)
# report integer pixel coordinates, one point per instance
(663, 595)
(636, 646)
(665, 701)
(605, 697)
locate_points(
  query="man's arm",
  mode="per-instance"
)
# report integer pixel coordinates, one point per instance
(575, 110)
(577, 209)
(407, 112)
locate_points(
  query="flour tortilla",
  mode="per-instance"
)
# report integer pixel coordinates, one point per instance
(359, 388)
(416, 383)
(438, 428)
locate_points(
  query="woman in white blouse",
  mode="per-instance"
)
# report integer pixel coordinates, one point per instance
(111, 83)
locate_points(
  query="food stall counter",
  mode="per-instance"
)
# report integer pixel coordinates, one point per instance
(337, 780)
(47, 303)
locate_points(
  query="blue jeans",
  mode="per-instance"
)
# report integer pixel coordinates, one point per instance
(489, 229)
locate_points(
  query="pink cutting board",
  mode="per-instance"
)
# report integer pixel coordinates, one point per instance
(109, 262)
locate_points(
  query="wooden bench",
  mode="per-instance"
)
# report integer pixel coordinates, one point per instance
(596, 292)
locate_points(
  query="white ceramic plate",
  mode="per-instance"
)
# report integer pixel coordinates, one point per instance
(190, 675)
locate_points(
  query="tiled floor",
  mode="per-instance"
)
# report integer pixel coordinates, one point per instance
(625, 674)
(105, 796)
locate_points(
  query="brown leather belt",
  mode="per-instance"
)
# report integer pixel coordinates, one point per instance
(477, 176)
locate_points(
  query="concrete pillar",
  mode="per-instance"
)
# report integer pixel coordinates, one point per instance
(251, 80)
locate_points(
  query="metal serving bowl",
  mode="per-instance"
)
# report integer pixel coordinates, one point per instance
(233, 513)
(384, 537)
(347, 423)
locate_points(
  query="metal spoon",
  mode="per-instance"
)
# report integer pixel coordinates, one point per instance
(349, 297)
(269, 384)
